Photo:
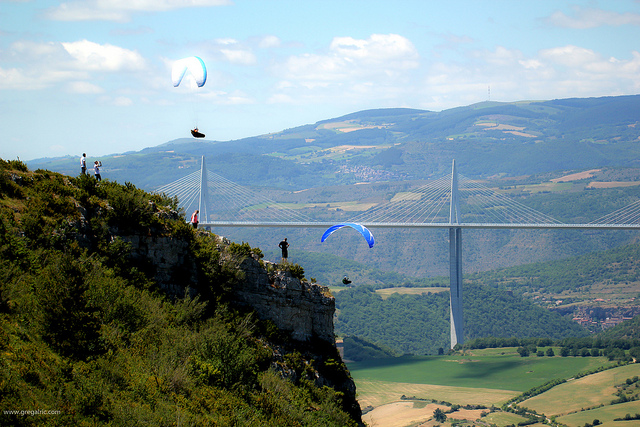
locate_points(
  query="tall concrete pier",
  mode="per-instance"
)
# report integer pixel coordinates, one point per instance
(455, 264)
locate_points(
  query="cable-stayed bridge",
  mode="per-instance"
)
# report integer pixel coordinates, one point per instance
(454, 202)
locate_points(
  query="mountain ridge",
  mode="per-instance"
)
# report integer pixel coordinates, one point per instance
(488, 138)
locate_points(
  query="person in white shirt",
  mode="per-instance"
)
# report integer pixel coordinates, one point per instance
(96, 170)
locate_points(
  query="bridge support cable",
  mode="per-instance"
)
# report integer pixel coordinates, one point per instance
(422, 205)
(627, 215)
(241, 204)
(218, 198)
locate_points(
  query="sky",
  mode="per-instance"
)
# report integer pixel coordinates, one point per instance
(94, 76)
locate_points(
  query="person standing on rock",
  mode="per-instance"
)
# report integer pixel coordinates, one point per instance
(194, 219)
(284, 245)
(96, 170)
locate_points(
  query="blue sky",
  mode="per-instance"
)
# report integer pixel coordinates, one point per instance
(94, 76)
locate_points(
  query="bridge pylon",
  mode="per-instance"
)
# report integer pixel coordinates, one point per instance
(455, 264)
(204, 193)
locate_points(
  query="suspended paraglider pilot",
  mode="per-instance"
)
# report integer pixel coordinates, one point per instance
(195, 71)
(284, 245)
(346, 281)
(196, 133)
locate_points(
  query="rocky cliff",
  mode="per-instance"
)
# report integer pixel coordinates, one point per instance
(301, 310)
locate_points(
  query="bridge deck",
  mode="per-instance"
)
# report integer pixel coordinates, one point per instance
(423, 225)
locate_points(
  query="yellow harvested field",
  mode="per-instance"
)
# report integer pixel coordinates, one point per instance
(351, 129)
(409, 291)
(583, 393)
(576, 176)
(495, 126)
(344, 148)
(377, 393)
(518, 133)
(400, 414)
(612, 184)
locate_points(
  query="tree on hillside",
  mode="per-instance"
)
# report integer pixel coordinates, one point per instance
(439, 415)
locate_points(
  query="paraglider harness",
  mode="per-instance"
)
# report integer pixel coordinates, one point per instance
(196, 133)
(346, 281)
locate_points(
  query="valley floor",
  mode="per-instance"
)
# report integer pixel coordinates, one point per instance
(407, 394)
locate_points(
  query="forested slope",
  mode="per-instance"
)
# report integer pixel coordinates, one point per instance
(88, 337)
(419, 324)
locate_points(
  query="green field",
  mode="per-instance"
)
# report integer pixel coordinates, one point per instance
(605, 414)
(491, 377)
(501, 372)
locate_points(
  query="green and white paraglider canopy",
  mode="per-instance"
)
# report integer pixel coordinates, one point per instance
(194, 68)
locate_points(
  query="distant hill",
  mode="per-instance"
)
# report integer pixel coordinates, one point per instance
(489, 138)
(516, 147)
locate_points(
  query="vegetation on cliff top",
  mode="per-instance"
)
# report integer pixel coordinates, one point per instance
(88, 336)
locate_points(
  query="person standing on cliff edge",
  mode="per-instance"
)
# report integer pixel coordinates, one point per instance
(194, 219)
(284, 245)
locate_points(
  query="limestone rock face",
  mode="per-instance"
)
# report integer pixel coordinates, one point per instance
(169, 257)
(303, 309)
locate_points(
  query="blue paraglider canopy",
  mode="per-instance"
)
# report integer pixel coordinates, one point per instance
(360, 228)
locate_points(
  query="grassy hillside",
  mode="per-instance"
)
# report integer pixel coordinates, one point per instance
(88, 337)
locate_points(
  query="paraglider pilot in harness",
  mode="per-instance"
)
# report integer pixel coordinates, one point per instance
(196, 133)
(346, 281)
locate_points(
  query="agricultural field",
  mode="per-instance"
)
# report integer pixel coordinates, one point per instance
(605, 414)
(589, 396)
(402, 392)
(501, 372)
(386, 292)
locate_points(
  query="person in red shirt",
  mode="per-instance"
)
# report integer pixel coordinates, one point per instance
(194, 219)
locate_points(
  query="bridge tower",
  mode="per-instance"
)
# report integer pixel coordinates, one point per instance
(455, 264)
(204, 193)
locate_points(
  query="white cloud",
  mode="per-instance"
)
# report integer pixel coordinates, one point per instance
(239, 56)
(84, 88)
(34, 78)
(570, 56)
(96, 57)
(583, 18)
(122, 101)
(384, 55)
(41, 65)
(267, 42)
(564, 71)
(121, 10)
